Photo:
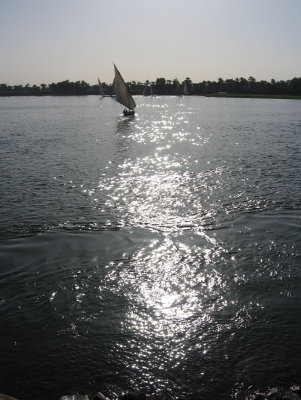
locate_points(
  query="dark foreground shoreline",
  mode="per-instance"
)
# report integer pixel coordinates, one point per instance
(275, 393)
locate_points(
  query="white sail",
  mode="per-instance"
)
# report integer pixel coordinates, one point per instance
(101, 91)
(123, 95)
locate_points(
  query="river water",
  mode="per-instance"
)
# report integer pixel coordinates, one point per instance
(157, 251)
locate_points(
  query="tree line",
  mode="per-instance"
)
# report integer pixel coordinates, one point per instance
(162, 86)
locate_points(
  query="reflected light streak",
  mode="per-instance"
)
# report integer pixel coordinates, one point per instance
(173, 287)
(153, 193)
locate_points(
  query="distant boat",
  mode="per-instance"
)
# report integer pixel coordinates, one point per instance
(179, 87)
(148, 90)
(101, 91)
(185, 89)
(123, 94)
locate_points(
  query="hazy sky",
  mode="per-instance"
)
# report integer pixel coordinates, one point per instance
(44, 41)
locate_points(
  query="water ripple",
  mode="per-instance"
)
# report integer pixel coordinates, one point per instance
(150, 252)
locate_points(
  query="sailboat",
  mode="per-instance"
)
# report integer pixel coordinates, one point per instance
(101, 91)
(185, 88)
(123, 94)
(179, 87)
(148, 90)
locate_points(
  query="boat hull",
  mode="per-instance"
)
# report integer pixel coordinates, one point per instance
(126, 113)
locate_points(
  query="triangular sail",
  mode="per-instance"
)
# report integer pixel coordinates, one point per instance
(179, 87)
(148, 90)
(123, 95)
(114, 87)
(101, 91)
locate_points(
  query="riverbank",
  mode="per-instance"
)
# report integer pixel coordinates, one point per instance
(239, 87)
(242, 96)
(276, 393)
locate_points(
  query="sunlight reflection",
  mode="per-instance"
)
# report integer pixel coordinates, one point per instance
(153, 193)
(173, 289)
(166, 280)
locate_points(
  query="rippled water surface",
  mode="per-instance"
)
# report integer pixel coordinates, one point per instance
(158, 251)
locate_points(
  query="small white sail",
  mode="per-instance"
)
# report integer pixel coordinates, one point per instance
(123, 95)
(101, 91)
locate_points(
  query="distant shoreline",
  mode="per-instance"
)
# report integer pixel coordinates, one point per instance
(239, 87)
(225, 95)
